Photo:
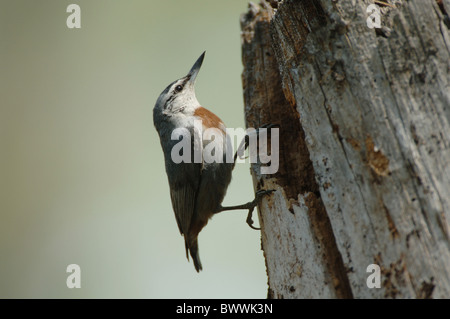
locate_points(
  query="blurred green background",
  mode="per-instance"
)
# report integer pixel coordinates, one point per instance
(81, 169)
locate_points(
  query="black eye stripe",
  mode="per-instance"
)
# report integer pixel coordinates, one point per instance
(167, 89)
(182, 84)
(173, 89)
(169, 100)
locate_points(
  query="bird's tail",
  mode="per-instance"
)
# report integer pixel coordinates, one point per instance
(192, 247)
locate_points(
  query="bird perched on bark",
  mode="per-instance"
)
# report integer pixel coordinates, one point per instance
(197, 184)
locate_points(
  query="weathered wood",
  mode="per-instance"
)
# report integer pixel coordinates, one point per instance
(297, 236)
(364, 143)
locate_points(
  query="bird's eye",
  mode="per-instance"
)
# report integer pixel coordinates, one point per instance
(178, 88)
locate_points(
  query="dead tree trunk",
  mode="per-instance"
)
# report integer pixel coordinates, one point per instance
(364, 173)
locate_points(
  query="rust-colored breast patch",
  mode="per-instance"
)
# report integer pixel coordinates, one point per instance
(209, 119)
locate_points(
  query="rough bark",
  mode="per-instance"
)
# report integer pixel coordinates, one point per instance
(364, 172)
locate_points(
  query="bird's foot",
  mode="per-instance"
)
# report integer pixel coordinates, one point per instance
(258, 196)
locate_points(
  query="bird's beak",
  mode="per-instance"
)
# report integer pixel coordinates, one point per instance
(195, 69)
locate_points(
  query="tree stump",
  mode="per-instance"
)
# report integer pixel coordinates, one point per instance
(364, 117)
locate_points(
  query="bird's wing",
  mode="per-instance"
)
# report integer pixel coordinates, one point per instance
(184, 181)
(183, 203)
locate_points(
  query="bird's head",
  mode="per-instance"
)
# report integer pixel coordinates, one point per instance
(179, 96)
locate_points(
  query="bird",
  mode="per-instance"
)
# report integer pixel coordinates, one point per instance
(197, 187)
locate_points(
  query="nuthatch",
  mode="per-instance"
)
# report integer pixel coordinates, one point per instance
(197, 188)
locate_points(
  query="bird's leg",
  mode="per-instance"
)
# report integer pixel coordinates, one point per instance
(259, 194)
(250, 206)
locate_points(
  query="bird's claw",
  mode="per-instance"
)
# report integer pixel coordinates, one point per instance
(261, 193)
(258, 196)
(250, 220)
